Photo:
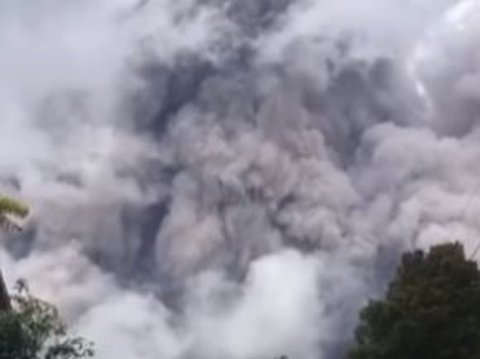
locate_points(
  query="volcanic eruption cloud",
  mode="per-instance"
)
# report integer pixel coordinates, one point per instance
(233, 179)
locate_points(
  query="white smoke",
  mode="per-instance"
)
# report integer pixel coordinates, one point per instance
(233, 179)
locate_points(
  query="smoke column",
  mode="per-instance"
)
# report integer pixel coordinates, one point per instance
(233, 178)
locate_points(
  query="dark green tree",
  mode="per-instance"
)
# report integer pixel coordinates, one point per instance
(29, 327)
(431, 310)
(32, 329)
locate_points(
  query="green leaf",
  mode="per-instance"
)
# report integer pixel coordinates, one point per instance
(13, 207)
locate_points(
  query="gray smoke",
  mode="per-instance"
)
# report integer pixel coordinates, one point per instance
(233, 178)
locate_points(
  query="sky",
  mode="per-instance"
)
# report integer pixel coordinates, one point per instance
(233, 178)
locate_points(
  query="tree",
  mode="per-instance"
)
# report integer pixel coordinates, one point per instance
(29, 327)
(9, 208)
(32, 329)
(431, 310)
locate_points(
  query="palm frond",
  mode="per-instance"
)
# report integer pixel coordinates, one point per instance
(9, 209)
(13, 207)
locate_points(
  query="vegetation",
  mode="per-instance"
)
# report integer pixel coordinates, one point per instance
(34, 330)
(11, 208)
(431, 310)
(31, 328)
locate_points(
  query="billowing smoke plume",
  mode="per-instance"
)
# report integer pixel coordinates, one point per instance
(233, 178)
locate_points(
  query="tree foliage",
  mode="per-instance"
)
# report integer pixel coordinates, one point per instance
(9, 208)
(34, 330)
(29, 327)
(431, 310)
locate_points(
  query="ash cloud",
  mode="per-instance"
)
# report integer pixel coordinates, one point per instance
(233, 179)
